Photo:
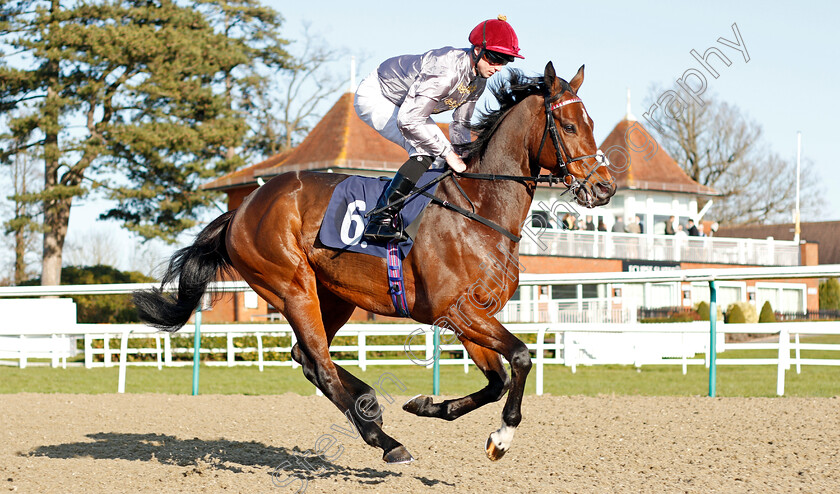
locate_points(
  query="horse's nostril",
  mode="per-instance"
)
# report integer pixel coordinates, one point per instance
(604, 189)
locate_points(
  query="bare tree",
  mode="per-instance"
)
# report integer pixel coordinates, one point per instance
(24, 225)
(718, 146)
(287, 106)
(91, 248)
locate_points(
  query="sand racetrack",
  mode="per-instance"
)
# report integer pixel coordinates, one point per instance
(129, 443)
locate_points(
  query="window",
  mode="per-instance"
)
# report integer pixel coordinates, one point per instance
(633, 295)
(591, 291)
(539, 219)
(659, 222)
(662, 295)
(563, 292)
(792, 299)
(727, 292)
(251, 300)
(783, 297)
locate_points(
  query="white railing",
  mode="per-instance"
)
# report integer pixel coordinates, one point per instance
(572, 345)
(674, 248)
(565, 311)
(561, 355)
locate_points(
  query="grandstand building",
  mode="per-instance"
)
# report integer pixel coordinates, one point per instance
(628, 234)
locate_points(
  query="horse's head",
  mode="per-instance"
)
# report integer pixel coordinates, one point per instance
(566, 146)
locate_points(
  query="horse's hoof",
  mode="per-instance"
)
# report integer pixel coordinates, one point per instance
(493, 452)
(398, 455)
(416, 404)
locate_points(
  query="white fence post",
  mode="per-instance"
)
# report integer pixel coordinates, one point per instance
(231, 356)
(157, 347)
(259, 351)
(540, 359)
(167, 350)
(106, 349)
(784, 357)
(362, 351)
(22, 361)
(123, 360)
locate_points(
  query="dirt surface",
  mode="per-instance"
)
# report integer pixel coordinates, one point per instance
(145, 443)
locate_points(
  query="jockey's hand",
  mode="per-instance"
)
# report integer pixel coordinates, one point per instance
(455, 162)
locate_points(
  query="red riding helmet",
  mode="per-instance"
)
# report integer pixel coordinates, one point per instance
(496, 35)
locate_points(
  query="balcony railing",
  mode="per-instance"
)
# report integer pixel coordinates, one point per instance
(675, 248)
(565, 311)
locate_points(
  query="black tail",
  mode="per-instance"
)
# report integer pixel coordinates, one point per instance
(193, 267)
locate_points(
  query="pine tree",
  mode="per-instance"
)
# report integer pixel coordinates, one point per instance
(130, 95)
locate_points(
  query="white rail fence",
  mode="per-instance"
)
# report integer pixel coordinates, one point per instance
(571, 345)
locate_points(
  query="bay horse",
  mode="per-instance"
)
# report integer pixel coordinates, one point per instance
(271, 242)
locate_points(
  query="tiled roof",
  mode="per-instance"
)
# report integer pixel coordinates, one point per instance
(650, 167)
(245, 176)
(342, 141)
(339, 141)
(824, 233)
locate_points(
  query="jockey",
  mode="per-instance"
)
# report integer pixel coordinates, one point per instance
(398, 98)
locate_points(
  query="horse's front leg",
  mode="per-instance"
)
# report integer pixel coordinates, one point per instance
(520, 364)
(476, 326)
(498, 382)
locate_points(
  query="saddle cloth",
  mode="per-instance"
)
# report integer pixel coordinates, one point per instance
(344, 221)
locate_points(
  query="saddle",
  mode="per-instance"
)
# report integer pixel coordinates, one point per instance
(344, 220)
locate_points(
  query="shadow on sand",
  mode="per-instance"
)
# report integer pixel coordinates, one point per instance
(219, 454)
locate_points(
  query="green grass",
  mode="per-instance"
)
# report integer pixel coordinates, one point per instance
(559, 380)
(733, 380)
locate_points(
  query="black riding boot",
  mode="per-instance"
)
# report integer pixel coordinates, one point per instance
(385, 225)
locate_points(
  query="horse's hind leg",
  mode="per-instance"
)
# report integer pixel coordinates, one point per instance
(335, 312)
(498, 382)
(303, 312)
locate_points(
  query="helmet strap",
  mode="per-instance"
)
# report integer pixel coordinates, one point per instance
(483, 46)
(477, 57)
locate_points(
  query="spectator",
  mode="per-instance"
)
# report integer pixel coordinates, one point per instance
(569, 221)
(641, 225)
(692, 229)
(669, 226)
(619, 225)
(601, 226)
(590, 224)
(633, 226)
(680, 233)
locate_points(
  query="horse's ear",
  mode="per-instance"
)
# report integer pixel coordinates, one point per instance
(577, 80)
(550, 75)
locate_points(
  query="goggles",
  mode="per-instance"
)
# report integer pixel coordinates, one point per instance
(497, 58)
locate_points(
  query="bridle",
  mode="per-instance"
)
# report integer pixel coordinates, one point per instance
(562, 154)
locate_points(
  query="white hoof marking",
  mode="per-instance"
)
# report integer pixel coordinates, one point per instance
(503, 437)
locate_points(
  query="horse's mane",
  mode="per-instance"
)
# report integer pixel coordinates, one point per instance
(508, 92)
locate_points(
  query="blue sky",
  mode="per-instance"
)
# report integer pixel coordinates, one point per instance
(788, 85)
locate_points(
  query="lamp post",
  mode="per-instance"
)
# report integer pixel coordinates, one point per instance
(796, 229)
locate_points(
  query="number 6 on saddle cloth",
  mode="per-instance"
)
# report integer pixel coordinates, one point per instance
(343, 225)
(343, 222)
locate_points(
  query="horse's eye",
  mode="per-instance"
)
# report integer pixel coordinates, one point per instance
(569, 128)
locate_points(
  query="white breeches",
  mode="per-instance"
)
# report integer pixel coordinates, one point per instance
(377, 111)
